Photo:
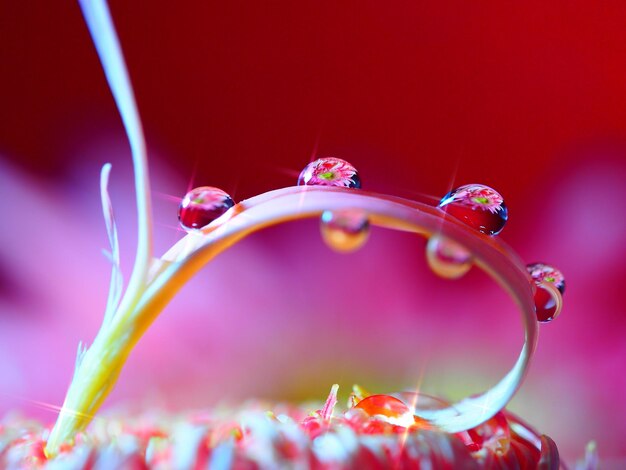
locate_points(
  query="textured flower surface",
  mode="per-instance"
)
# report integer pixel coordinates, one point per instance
(286, 437)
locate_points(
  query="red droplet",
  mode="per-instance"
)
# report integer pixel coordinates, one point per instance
(203, 205)
(387, 406)
(477, 205)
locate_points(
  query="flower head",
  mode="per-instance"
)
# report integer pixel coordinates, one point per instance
(284, 436)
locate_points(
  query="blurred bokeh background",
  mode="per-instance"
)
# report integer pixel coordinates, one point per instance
(529, 99)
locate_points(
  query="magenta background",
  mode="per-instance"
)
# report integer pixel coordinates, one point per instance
(530, 100)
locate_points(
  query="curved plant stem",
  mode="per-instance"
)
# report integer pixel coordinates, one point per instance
(102, 363)
(102, 31)
(97, 368)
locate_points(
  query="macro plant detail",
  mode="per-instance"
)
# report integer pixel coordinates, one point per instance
(412, 428)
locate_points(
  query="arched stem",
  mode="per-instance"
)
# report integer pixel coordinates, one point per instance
(100, 367)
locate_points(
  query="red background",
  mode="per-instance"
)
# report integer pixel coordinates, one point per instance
(528, 98)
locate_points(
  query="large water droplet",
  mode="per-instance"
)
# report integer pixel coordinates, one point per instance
(329, 172)
(388, 408)
(345, 230)
(479, 206)
(447, 258)
(201, 206)
(550, 287)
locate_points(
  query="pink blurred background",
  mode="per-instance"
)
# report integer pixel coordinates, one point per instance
(530, 100)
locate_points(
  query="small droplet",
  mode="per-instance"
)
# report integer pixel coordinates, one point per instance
(345, 230)
(447, 258)
(541, 272)
(329, 172)
(479, 206)
(393, 410)
(550, 287)
(201, 206)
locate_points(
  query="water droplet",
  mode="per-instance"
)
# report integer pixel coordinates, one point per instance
(329, 172)
(479, 206)
(201, 206)
(447, 258)
(392, 409)
(346, 230)
(541, 272)
(550, 287)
